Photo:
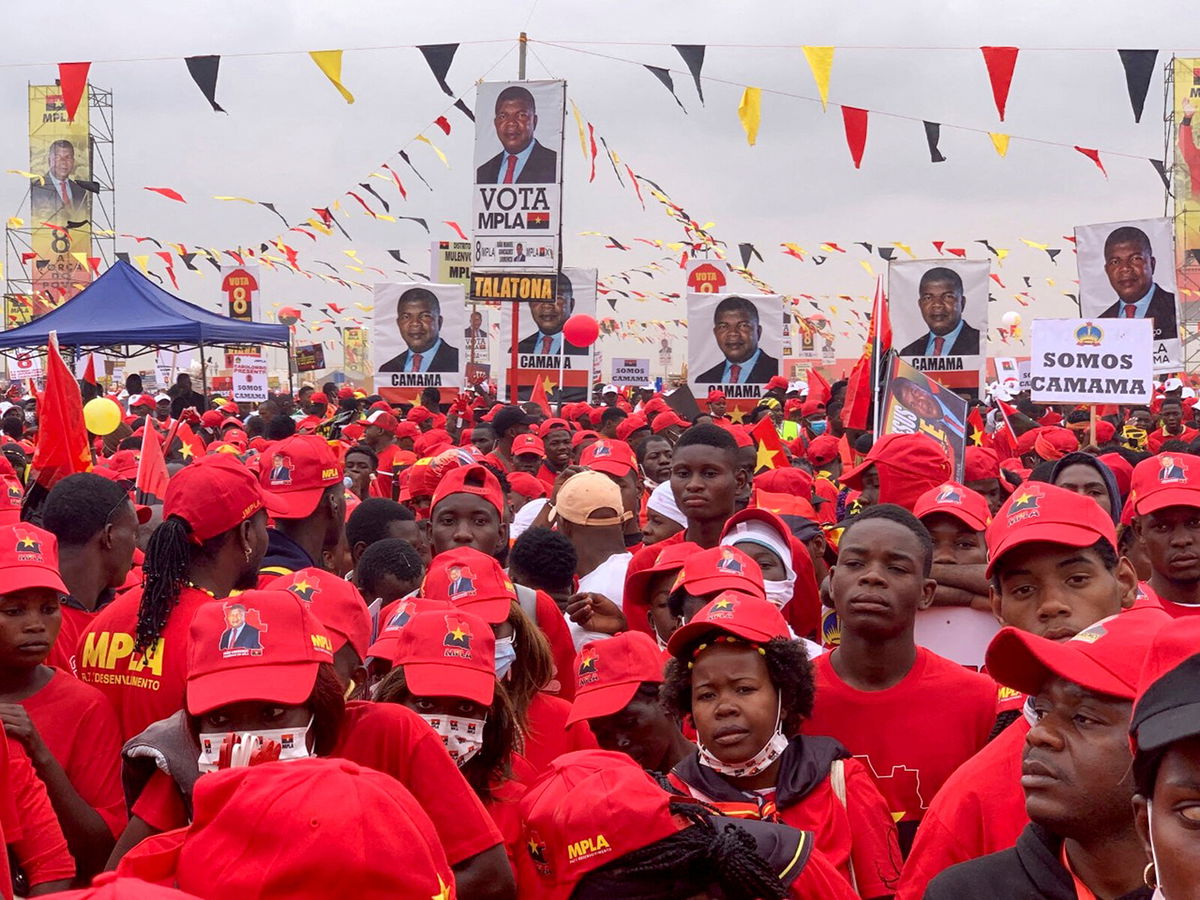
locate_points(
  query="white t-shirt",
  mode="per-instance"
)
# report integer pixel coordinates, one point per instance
(607, 579)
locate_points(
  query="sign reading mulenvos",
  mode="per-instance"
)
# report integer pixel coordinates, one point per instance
(1091, 360)
(503, 286)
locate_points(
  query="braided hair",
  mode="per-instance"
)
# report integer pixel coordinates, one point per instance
(170, 555)
(689, 861)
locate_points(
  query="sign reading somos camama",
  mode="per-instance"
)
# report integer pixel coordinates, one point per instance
(1091, 360)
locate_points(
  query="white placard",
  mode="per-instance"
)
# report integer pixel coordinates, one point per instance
(249, 379)
(630, 371)
(1091, 360)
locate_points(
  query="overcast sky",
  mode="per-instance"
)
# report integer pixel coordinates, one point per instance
(290, 139)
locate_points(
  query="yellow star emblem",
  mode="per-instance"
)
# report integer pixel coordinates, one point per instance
(723, 604)
(1024, 498)
(301, 586)
(736, 416)
(443, 891)
(458, 634)
(186, 451)
(547, 385)
(765, 457)
(27, 541)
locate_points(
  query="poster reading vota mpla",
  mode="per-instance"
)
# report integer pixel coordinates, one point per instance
(939, 312)
(518, 176)
(735, 343)
(541, 347)
(416, 337)
(1127, 271)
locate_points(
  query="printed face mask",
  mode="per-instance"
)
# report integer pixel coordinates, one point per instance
(770, 752)
(462, 737)
(506, 655)
(293, 744)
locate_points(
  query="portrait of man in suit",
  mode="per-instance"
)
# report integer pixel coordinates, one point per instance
(941, 303)
(737, 331)
(462, 581)
(419, 321)
(1129, 264)
(59, 196)
(239, 635)
(549, 316)
(281, 469)
(523, 160)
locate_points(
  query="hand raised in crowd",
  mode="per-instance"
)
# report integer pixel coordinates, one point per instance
(595, 612)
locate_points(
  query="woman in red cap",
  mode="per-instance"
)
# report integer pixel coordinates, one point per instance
(261, 687)
(747, 686)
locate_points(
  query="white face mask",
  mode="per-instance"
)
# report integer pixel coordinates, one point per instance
(293, 744)
(770, 752)
(506, 655)
(462, 737)
(779, 593)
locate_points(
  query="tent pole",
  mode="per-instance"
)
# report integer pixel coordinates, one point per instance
(203, 374)
(288, 349)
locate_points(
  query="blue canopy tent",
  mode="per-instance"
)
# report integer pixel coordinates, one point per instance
(125, 313)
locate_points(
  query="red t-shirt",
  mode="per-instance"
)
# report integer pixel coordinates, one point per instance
(386, 471)
(553, 625)
(142, 688)
(28, 823)
(1147, 596)
(913, 735)
(1156, 439)
(80, 730)
(549, 736)
(75, 622)
(979, 810)
(860, 832)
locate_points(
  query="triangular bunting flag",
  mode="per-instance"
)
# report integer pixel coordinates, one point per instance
(1094, 156)
(1139, 68)
(72, 77)
(1161, 169)
(439, 57)
(750, 112)
(464, 109)
(664, 76)
(169, 193)
(1000, 62)
(820, 61)
(330, 62)
(203, 70)
(746, 251)
(693, 57)
(855, 122)
(933, 133)
(1000, 142)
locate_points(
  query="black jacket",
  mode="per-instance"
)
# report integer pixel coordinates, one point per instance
(540, 168)
(284, 556)
(1161, 310)
(966, 344)
(445, 360)
(764, 370)
(1032, 868)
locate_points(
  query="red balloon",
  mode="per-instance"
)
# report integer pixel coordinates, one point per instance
(581, 330)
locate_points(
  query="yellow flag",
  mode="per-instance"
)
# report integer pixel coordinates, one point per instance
(750, 112)
(330, 62)
(820, 60)
(142, 261)
(14, 222)
(866, 264)
(238, 199)
(1000, 142)
(80, 258)
(436, 149)
(32, 176)
(579, 124)
(1001, 253)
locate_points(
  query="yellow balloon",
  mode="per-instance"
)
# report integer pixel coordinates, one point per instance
(101, 415)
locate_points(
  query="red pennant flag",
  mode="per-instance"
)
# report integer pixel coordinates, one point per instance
(768, 446)
(152, 475)
(1000, 62)
(937, 245)
(957, 251)
(818, 388)
(592, 150)
(72, 77)
(457, 228)
(538, 396)
(169, 193)
(62, 446)
(976, 435)
(89, 373)
(636, 187)
(443, 123)
(855, 122)
(1094, 156)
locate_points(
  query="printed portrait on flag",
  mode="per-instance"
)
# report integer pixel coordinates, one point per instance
(415, 337)
(1126, 271)
(541, 345)
(735, 342)
(916, 404)
(939, 312)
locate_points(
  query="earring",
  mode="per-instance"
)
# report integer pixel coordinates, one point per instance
(1150, 876)
(247, 554)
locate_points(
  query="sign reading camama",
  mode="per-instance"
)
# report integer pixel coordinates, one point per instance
(1091, 361)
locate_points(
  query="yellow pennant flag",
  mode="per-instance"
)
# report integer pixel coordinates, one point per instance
(80, 258)
(436, 149)
(32, 176)
(142, 262)
(330, 62)
(820, 60)
(238, 199)
(579, 124)
(866, 264)
(14, 222)
(750, 112)
(1001, 253)
(1000, 142)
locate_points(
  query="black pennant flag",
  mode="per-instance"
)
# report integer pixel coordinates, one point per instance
(395, 254)
(187, 261)
(271, 207)
(419, 221)
(1139, 67)
(1161, 169)
(464, 109)
(375, 194)
(203, 70)
(887, 253)
(664, 76)
(693, 55)
(933, 134)
(1053, 253)
(612, 160)
(439, 57)
(124, 257)
(748, 250)
(404, 156)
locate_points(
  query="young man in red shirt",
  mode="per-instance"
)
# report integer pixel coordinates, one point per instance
(1054, 571)
(301, 479)
(1173, 426)
(1165, 495)
(912, 716)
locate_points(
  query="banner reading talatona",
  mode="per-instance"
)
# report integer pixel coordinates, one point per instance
(60, 203)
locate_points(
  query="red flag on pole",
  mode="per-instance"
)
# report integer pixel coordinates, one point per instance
(538, 396)
(152, 475)
(768, 446)
(62, 443)
(190, 445)
(863, 377)
(89, 373)
(818, 388)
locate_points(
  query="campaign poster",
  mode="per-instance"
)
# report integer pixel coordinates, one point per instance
(354, 352)
(1094, 361)
(309, 357)
(541, 347)
(478, 343)
(60, 199)
(914, 403)
(630, 371)
(1127, 271)
(239, 284)
(416, 337)
(707, 276)
(450, 262)
(735, 343)
(939, 313)
(518, 176)
(249, 379)
(1186, 173)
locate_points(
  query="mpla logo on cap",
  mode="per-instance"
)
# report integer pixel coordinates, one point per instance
(537, 852)
(1172, 470)
(303, 590)
(949, 494)
(1025, 506)
(15, 493)
(578, 851)
(457, 642)
(587, 668)
(601, 448)
(281, 470)
(243, 632)
(723, 607)
(1093, 632)
(28, 548)
(462, 581)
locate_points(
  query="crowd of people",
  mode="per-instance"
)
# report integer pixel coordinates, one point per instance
(465, 648)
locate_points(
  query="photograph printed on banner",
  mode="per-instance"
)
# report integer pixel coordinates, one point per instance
(416, 335)
(541, 345)
(916, 404)
(738, 355)
(939, 312)
(1127, 271)
(518, 175)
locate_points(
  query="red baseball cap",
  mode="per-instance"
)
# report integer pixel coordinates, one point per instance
(213, 494)
(823, 450)
(666, 419)
(528, 443)
(716, 396)
(212, 418)
(295, 474)
(609, 672)
(777, 381)
(580, 436)
(527, 485)
(735, 613)
(1168, 479)
(589, 808)
(475, 480)
(318, 397)
(418, 414)
(407, 430)
(473, 581)
(636, 603)
(110, 886)
(1121, 469)
(1104, 658)
(1166, 708)
(257, 645)
(550, 424)
(384, 420)
(611, 457)
(12, 494)
(981, 463)
(394, 618)
(812, 407)
(954, 499)
(1043, 512)
(630, 424)
(720, 569)
(335, 602)
(448, 654)
(29, 559)
(316, 827)
(908, 465)
(141, 400)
